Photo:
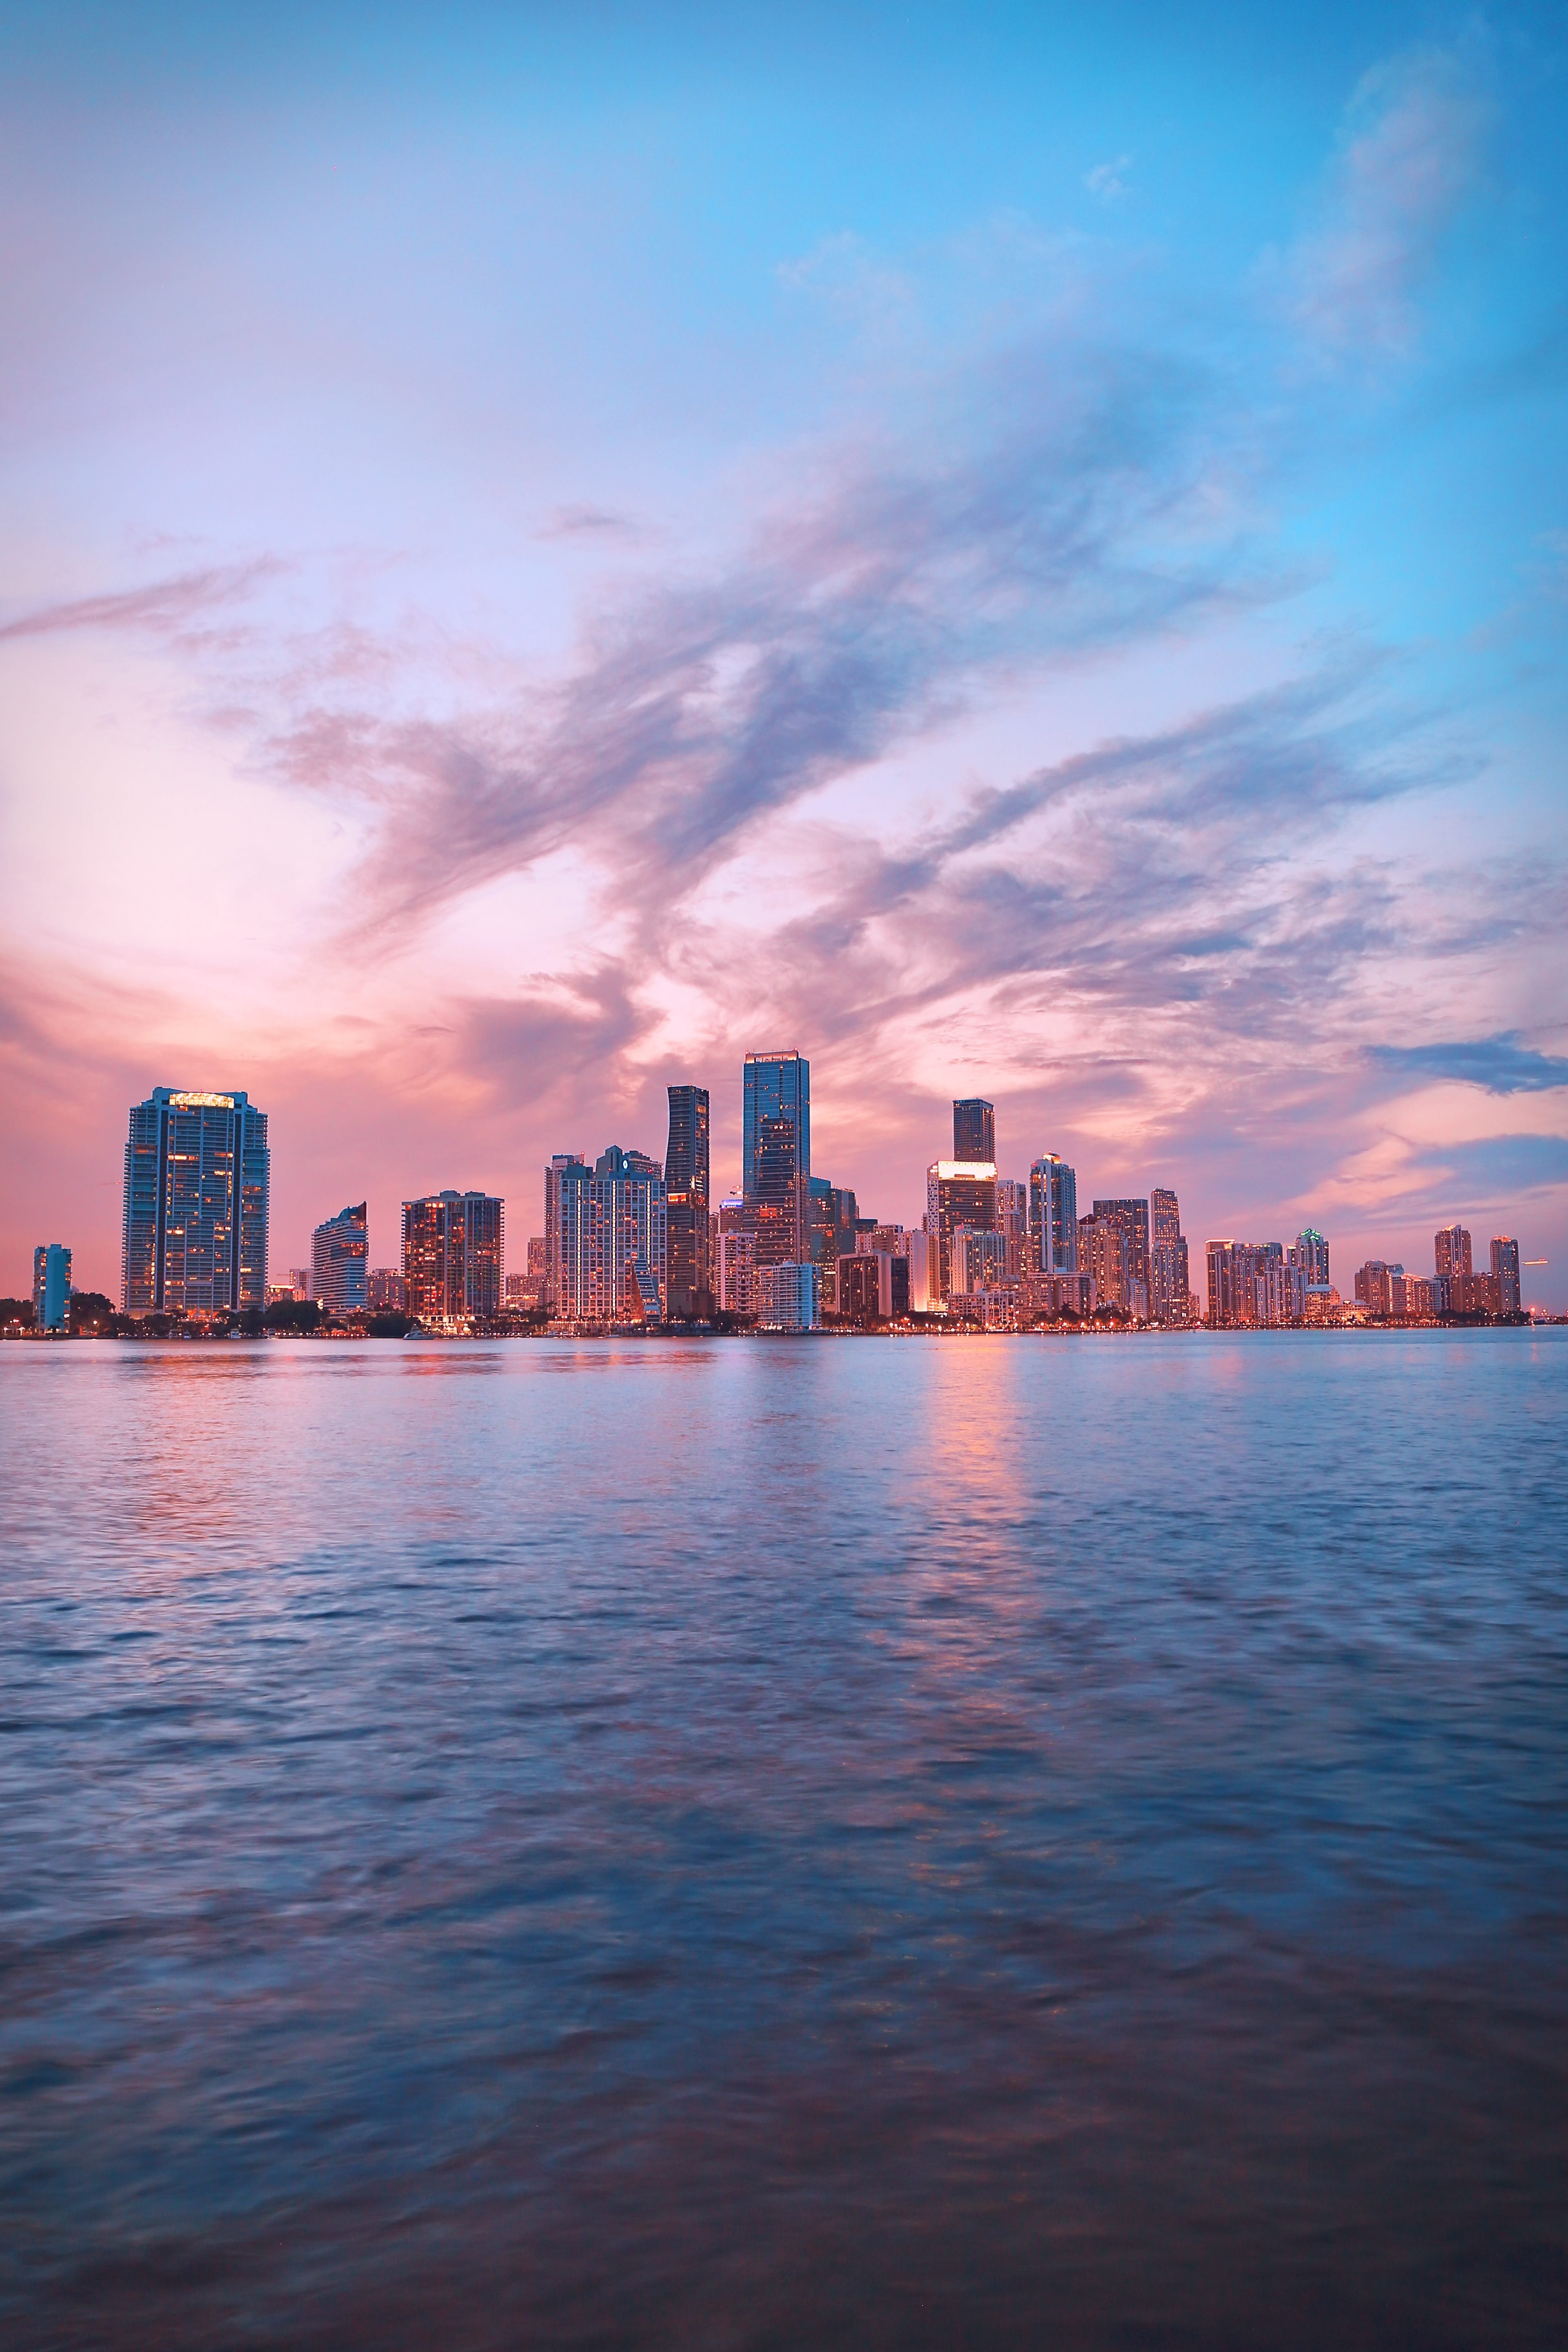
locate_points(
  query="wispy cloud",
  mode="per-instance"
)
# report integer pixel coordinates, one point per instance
(1410, 154)
(1502, 1064)
(162, 607)
(1110, 181)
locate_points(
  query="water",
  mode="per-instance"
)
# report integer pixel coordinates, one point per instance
(786, 1844)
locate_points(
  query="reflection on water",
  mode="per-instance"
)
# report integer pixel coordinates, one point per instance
(786, 1844)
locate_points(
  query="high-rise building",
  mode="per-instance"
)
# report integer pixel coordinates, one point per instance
(1505, 1272)
(197, 1180)
(1012, 1223)
(873, 1287)
(383, 1291)
(1168, 1292)
(958, 1192)
(613, 1264)
(453, 1248)
(567, 1169)
(686, 1202)
(788, 1297)
(1380, 1288)
(338, 1250)
(923, 1299)
(52, 1285)
(1246, 1285)
(1053, 1214)
(776, 1153)
(1132, 1217)
(977, 1261)
(1452, 1249)
(734, 1257)
(299, 1282)
(975, 1130)
(1104, 1254)
(1311, 1252)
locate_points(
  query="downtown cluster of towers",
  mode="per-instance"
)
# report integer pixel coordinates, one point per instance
(629, 1239)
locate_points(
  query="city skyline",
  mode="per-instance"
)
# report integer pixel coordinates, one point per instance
(1031, 556)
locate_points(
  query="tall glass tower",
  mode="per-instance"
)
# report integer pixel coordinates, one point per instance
(974, 1130)
(686, 1200)
(197, 1180)
(775, 1149)
(1053, 1213)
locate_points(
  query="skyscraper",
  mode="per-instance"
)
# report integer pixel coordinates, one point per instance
(686, 1202)
(1452, 1249)
(974, 1130)
(1012, 1223)
(1132, 1218)
(452, 1246)
(613, 1264)
(776, 1153)
(340, 1250)
(197, 1179)
(1505, 1272)
(52, 1285)
(1168, 1291)
(1053, 1214)
(958, 1192)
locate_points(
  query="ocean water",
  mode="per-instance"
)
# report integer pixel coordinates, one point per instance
(751, 1843)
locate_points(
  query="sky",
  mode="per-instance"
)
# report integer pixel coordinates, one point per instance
(1016, 551)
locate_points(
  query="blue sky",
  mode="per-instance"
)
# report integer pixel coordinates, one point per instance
(1018, 552)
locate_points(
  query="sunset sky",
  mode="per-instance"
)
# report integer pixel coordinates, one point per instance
(1019, 551)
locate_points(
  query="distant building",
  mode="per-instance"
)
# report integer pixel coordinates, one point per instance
(958, 1192)
(567, 1169)
(1048, 1298)
(1307, 1277)
(776, 1153)
(873, 1287)
(524, 1293)
(453, 1246)
(51, 1286)
(1505, 1272)
(1013, 1222)
(975, 1130)
(1169, 1297)
(339, 1250)
(1053, 1214)
(788, 1297)
(1452, 1251)
(690, 1283)
(872, 1237)
(1380, 1288)
(923, 1298)
(1132, 1218)
(735, 1258)
(384, 1290)
(299, 1282)
(613, 1266)
(1247, 1286)
(977, 1261)
(197, 1186)
(1103, 1254)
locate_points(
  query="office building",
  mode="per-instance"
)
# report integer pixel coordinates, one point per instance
(776, 1153)
(1053, 1215)
(1505, 1272)
(788, 1297)
(1452, 1250)
(197, 1186)
(689, 1285)
(1133, 1219)
(872, 1237)
(975, 1130)
(339, 1250)
(52, 1286)
(1048, 1298)
(384, 1290)
(1169, 1301)
(612, 1263)
(452, 1246)
(298, 1282)
(1013, 1222)
(958, 1192)
(1380, 1288)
